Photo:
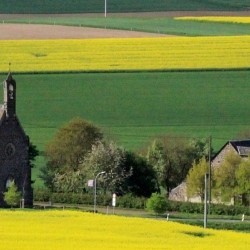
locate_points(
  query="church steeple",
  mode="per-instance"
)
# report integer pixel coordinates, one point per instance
(9, 87)
(14, 148)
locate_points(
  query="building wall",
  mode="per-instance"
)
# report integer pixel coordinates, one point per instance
(179, 193)
(218, 160)
(14, 159)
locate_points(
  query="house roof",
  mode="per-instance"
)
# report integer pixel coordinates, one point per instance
(9, 77)
(242, 147)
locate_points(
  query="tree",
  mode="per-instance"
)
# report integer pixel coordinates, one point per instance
(33, 153)
(243, 179)
(72, 142)
(107, 157)
(69, 182)
(12, 196)
(225, 176)
(143, 180)
(157, 159)
(196, 179)
(47, 174)
(157, 203)
(68, 148)
(173, 157)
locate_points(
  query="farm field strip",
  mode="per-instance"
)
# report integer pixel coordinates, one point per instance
(126, 54)
(223, 19)
(133, 108)
(78, 230)
(153, 24)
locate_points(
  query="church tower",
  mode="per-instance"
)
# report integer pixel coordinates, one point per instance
(14, 147)
(10, 96)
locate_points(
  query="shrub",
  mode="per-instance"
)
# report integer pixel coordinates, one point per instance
(130, 201)
(126, 201)
(221, 209)
(215, 209)
(41, 194)
(188, 207)
(157, 203)
(12, 196)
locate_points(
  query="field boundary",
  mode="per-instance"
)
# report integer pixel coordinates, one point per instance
(131, 14)
(126, 71)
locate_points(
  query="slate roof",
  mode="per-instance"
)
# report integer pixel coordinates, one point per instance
(242, 147)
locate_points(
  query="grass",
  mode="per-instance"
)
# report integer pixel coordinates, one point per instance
(222, 222)
(97, 6)
(155, 25)
(227, 225)
(220, 19)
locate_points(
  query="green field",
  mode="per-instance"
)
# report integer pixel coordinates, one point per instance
(149, 24)
(135, 107)
(95, 6)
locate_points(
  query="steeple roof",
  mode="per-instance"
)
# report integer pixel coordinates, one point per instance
(9, 77)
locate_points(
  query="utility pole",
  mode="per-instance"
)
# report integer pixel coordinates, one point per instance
(103, 172)
(205, 200)
(105, 8)
(210, 169)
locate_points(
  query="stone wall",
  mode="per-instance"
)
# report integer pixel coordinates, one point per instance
(218, 160)
(14, 159)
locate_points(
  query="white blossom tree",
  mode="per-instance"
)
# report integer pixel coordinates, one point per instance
(110, 158)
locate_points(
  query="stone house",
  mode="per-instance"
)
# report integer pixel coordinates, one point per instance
(240, 147)
(14, 147)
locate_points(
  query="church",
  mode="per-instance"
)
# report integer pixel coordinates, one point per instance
(14, 148)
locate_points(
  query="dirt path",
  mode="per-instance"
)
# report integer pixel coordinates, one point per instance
(35, 31)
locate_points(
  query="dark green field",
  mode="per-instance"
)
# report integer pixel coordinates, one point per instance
(148, 24)
(95, 6)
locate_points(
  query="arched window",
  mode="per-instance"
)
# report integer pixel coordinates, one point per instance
(11, 89)
(9, 181)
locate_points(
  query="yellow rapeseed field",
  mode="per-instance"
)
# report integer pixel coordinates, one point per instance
(72, 230)
(125, 54)
(224, 19)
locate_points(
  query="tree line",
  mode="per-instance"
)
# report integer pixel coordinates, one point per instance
(79, 151)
